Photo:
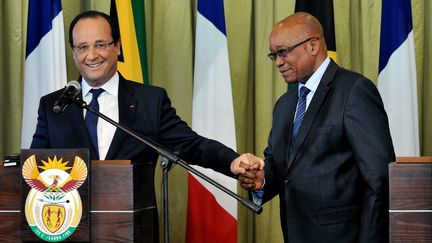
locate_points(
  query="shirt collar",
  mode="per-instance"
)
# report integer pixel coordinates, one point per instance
(111, 87)
(313, 82)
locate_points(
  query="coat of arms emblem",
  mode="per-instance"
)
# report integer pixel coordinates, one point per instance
(53, 206)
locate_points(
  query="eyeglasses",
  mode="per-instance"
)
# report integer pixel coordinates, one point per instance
(284, 52)
(100, 46)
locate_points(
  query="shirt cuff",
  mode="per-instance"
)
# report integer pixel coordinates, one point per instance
(257, 195)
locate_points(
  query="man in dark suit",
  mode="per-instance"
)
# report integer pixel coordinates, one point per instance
(329, 147)
(147, 110)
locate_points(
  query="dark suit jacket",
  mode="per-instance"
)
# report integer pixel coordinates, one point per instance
(333, 180)
(148, 111)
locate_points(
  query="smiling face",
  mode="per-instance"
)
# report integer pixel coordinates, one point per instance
(300, 44)
(96, 65)
(297, 64)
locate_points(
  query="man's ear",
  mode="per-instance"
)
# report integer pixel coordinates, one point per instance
(118, 47)
(73, 53)
(315, 46)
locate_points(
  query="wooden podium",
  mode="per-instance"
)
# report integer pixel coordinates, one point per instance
(411, 199)
(121, 203)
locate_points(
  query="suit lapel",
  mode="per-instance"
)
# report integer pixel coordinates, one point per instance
(288, 112)
(287, 120)
(127, 107)
(311, 112)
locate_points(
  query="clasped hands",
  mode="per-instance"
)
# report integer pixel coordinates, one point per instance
(250, 171)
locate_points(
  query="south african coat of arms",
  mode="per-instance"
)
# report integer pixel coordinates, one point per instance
(53, 206)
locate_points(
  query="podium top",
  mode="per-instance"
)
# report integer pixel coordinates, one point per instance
(414, 159)
(111, 162)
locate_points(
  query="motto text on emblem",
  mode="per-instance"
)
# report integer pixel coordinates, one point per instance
(53, 206)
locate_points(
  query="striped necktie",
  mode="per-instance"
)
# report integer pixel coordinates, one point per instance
(301, 109)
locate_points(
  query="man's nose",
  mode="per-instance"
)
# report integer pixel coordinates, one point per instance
(92, 53)
(279, 61)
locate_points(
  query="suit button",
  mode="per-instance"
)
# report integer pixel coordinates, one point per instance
(287, 180)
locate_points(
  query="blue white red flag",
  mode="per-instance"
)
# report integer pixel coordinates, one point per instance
(397, 80)
(45, 64)
(212, 215)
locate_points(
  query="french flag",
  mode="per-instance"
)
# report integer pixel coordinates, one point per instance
(212, 215)
(397, 80)
(45, 64)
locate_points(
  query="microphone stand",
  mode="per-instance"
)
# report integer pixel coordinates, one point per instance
(168, 158)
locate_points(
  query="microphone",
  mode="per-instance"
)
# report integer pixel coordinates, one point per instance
(71, 89)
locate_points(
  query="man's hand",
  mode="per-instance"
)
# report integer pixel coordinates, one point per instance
(250, 161)
(250, 170)
(252, 179)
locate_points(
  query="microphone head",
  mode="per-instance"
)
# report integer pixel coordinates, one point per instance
(76, 85)
(71, 89)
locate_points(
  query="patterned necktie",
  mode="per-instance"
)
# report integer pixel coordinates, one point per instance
(301, 109)
(91, 119)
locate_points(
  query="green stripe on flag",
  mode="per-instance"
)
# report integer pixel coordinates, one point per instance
(138, 9)
(130, 17)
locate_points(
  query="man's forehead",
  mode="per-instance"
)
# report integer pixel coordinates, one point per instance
(102, 26)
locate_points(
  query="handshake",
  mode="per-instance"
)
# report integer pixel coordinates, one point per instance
(249, 170)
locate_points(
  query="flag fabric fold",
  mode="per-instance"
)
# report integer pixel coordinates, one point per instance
(323, 11)
(212, 215)
(130, 17)
(45, 64)
(397, 80)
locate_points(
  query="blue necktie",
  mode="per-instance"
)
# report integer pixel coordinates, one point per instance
(301, 109)
(91, 119)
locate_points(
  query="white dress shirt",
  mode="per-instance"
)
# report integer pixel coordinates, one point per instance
(313, 82)
(108, 105)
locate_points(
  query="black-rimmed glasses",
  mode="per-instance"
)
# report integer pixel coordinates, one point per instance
(284, 52)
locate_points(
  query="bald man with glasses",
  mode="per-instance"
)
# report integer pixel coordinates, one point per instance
(329, 146)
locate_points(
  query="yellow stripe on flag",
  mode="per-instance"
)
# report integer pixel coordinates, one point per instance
(131, 67)
(333, 55)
